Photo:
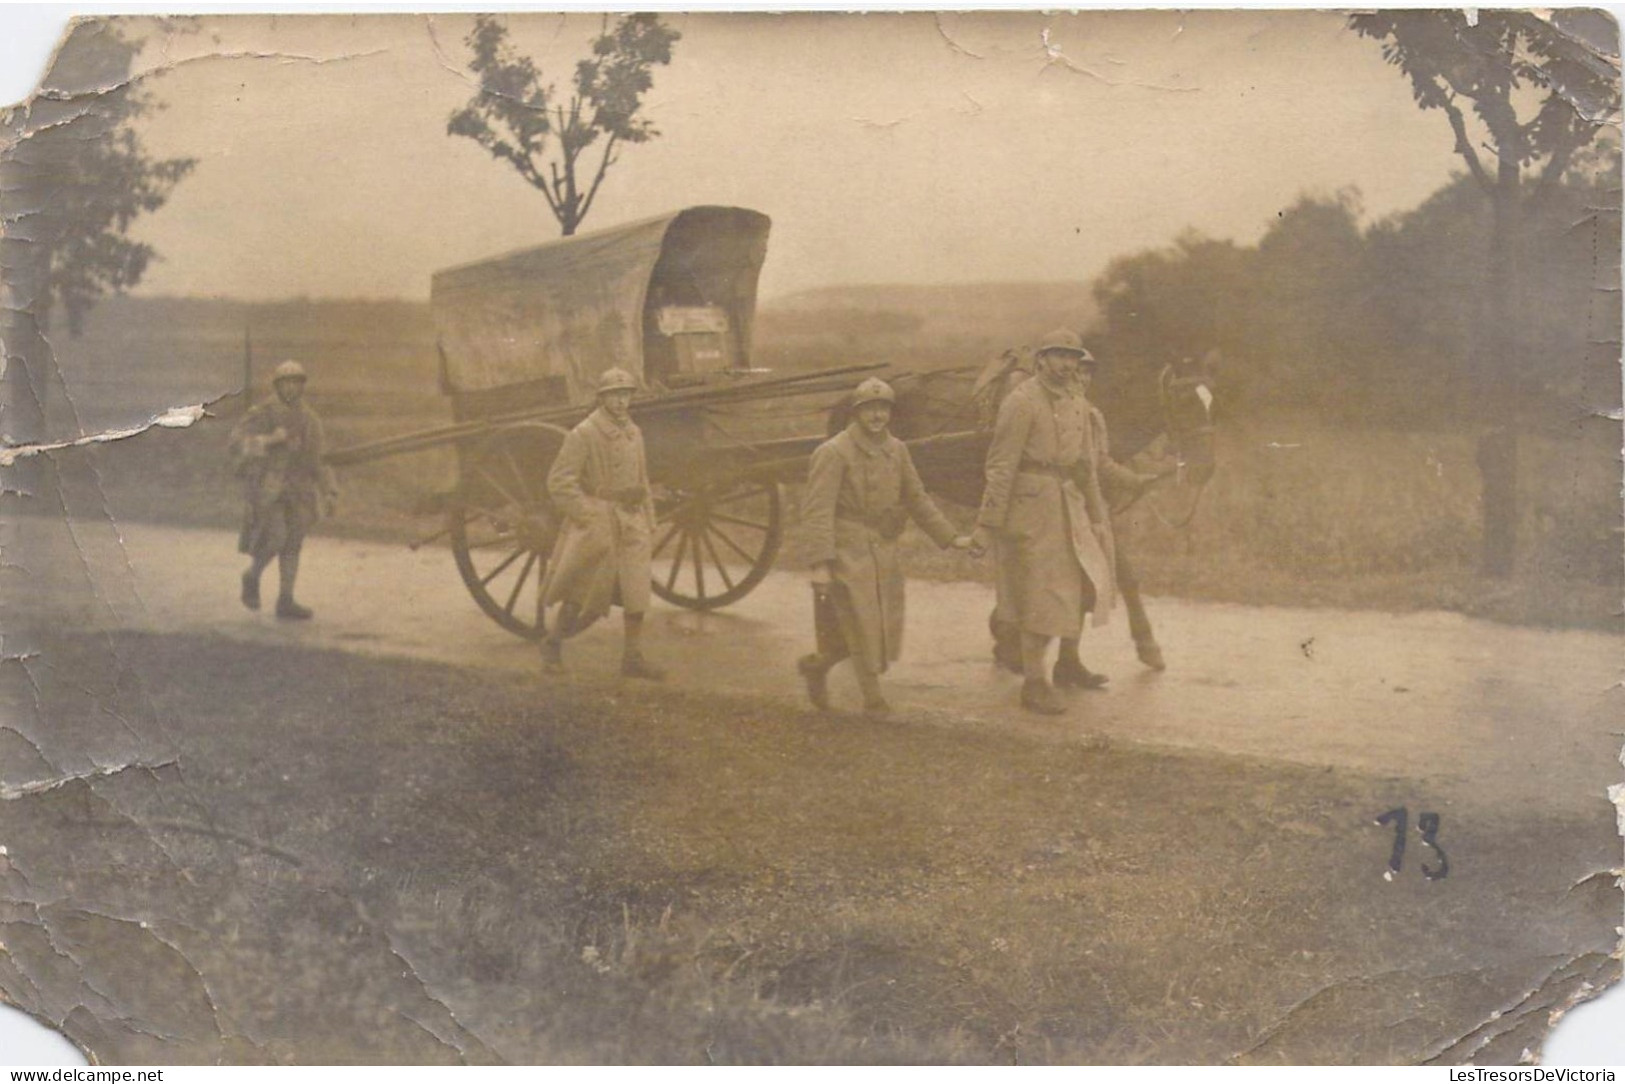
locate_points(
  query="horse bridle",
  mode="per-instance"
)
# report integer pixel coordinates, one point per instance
(1177, 437)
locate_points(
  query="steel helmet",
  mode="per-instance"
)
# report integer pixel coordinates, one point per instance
(288, 370)
(616, 380)
(1063, 340)
(873, 390)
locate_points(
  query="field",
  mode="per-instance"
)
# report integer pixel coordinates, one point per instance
(388, 861)
(1301, 511)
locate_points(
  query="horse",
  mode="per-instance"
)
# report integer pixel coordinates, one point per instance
(946, 416)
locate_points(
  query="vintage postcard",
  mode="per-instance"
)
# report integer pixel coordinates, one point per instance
(990, 538)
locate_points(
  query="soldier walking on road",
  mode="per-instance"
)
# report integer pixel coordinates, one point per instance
(862, 489)
(600, 483)
(1043, 512)
(1113, 482)
(278, 452)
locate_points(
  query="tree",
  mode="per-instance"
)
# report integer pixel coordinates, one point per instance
(74, 176)
(1538, 93)
(1183, 300)
(86, 175)
(515, 116)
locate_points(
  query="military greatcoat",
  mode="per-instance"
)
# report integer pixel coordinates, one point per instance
(1042, 503)
(600, 483)
(278, 453)
(860, 492)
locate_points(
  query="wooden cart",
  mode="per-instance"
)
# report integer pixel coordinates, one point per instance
(523, 338)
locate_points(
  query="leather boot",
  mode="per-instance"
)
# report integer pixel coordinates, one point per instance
(251, 591)
(815, 673)
(1006, 644)
(289, 610)
(876, 706)
(1072, 674)
(1038, 695)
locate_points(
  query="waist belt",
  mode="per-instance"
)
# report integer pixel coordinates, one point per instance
(1032, 466)
(888, 524)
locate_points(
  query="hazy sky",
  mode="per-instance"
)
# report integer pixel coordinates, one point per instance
(953, 148)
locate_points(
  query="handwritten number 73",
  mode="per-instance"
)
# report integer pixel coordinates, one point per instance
(1428, 825)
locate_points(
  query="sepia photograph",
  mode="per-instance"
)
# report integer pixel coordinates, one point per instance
(814, 538)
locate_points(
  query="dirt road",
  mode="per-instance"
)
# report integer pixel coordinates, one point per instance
(1515, 714)
(251, 851)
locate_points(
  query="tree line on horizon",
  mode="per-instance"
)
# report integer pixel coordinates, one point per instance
(1370, 323)
(1381, 322)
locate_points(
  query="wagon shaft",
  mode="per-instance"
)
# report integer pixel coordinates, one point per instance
(687, 401)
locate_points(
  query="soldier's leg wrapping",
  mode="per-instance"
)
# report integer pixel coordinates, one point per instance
(287, 566)
(852, 632)
(1034, 646)
(251, 579)
(564, 626)
(1068, 660)
(268, 536)
(633, 664)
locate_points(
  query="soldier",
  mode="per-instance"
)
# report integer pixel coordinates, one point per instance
(862, 489)
(1044, 514)
(278, 452)
(1116, 483)
(600, 483)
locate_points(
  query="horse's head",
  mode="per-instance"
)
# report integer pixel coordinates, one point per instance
(1186, 391)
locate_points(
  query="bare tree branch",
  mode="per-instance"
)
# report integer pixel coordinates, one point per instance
(598, 178)
(1464, 145)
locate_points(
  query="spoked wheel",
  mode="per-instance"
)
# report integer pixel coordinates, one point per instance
(714, 544)
(503, 525)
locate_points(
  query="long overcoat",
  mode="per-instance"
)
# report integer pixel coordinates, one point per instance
(860, 490)
(277, 451)
(600, 484)
(1051, 527)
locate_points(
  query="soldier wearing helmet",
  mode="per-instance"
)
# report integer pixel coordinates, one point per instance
(600, 483)
(277, 447)
(1044, 514)
(1117, 482)
(862, 489)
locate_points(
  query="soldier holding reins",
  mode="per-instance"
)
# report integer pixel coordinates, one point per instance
(1043, 512)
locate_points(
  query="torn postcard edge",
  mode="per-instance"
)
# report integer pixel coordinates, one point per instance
(181, 417)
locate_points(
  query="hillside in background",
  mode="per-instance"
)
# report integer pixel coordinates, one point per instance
(155, 352)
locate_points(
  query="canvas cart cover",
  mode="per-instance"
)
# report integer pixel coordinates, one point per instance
(566, 311)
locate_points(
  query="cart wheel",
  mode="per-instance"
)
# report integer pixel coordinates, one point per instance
(713, 545)
(502, 524)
